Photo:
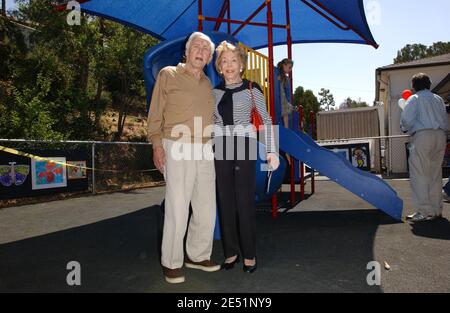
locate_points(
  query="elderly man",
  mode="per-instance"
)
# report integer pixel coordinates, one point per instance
(179, 128)
(425, 119)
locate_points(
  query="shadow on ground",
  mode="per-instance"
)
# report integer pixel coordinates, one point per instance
(436, 229)
(298, 252)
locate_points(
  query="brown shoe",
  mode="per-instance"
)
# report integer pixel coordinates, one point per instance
(173, 276)
(206, 265)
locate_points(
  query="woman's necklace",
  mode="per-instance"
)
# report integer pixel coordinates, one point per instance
(233, 84)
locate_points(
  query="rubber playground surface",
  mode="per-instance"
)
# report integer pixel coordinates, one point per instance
(323, 245)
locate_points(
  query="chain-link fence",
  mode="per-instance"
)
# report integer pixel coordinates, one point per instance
(28, 169)
(391, 152)
(380, 151)
(120, 166)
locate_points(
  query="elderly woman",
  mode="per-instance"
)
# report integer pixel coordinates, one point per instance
(235, 152)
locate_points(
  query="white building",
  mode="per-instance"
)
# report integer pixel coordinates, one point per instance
(391, 80)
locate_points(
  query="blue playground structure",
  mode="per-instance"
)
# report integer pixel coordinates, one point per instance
(292, 141)
(260, 24)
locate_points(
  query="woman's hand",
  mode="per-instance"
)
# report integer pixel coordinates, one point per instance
(273, 161)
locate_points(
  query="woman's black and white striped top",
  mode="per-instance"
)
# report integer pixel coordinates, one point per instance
(236, 101)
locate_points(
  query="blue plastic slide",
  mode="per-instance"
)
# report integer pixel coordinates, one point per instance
(363, 184)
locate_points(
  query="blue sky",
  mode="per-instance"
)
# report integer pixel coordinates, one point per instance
(349, 70)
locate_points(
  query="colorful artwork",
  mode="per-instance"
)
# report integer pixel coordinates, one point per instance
(358, 154)
(13, 174)
(342, 152)
(76, 170)
(359, 157)
(446, 162)
(48, 174)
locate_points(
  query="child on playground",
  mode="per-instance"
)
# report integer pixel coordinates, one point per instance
(284, 68)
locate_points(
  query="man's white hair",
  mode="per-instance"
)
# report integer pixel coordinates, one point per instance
(200, 36)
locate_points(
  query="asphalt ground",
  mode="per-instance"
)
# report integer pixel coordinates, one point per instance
(322, 245)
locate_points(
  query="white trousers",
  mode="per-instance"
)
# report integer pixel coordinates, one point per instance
(427, 149)
(190, 178)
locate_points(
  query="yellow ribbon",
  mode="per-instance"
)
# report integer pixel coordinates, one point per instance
(39, 158)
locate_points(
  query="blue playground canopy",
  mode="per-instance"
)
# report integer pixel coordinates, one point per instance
(311, 20)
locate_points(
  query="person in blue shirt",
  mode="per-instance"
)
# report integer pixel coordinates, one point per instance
(425, 119)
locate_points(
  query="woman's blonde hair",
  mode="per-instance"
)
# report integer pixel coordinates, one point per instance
(226, 46)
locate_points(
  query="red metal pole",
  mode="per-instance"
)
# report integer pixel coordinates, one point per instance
(224, 8)
(302, 171)
(292, 168)
(289, 39)
(270, 47)
(266, 3)
(312, 122)
(221, 20)
(271, 84)
(229, 16)
(289, 52)
(300, 113)
(200, 16)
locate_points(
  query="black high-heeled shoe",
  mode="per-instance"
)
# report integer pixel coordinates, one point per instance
(249, 268)
(229, 266)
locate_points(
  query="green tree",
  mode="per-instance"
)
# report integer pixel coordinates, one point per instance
(124, 79)
(60, 85)
(439, 48)
(352, 104)
(12, 49)
(309, 102)
(414, 52)
(326, 99)
(55, 73)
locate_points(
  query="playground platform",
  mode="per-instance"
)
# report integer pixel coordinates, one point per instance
(322, 245)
